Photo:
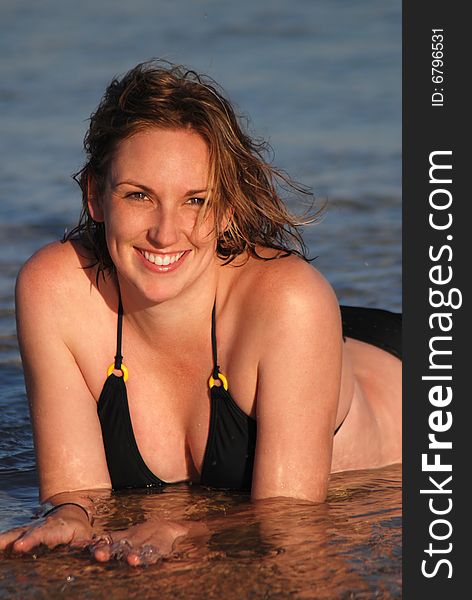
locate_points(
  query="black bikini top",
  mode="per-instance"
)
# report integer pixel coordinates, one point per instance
(230, 449)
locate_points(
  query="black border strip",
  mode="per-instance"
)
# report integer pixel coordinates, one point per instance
(435, 127)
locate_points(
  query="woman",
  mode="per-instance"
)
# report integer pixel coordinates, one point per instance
(230, 365)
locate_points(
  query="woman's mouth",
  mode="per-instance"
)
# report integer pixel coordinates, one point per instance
(163, 262)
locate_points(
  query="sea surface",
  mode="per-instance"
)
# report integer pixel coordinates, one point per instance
(321, 81)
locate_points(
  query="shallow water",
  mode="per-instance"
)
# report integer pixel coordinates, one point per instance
(349, 547)
(321, 80)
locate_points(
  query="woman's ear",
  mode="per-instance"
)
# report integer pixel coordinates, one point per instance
(94, 201)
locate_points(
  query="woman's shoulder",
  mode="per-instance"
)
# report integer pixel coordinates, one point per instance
(285, 288)
(56, 259)
(57, 269)
(288, 279)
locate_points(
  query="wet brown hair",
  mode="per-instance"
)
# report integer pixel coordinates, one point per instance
(243, 185)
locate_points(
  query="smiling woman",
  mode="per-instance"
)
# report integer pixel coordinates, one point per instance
(247, 208)
(152, 214)
(234, 366)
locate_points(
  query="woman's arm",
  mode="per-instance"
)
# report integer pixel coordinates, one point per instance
(298, 384)
(68, 443)
(67, 435)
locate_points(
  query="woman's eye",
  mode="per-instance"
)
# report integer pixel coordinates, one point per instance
(137, 195)
(196, 201)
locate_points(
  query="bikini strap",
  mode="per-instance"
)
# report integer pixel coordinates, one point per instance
(118, 365)
(214, 348)
(216, 374)
(119, 334)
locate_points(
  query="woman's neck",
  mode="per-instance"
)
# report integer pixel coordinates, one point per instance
(187, 312)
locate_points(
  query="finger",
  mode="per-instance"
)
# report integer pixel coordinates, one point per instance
(22, 545)
(144, 555)
(10, 536)
(101, 547)
(26, 542)
(133, 559)
(102, 554)
(44, 534)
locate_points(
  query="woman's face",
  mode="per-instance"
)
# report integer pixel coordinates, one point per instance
(154, 192)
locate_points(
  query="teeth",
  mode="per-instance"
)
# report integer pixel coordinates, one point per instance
(162, 261)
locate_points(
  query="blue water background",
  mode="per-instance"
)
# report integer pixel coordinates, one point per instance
(319, 79)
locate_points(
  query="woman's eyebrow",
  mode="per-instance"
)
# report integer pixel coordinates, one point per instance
(148, 189)
(193, 192)
(133, 183)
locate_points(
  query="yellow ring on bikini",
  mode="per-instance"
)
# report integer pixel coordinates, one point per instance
(123, 369)
(222, 378)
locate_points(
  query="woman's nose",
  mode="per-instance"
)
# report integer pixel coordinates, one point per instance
(164, 232)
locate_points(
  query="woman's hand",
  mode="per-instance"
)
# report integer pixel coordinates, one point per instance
(68, 525)
(143, 544)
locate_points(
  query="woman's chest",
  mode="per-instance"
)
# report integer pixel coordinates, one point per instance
(167, 395)
(174, 412)
(170, 411)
